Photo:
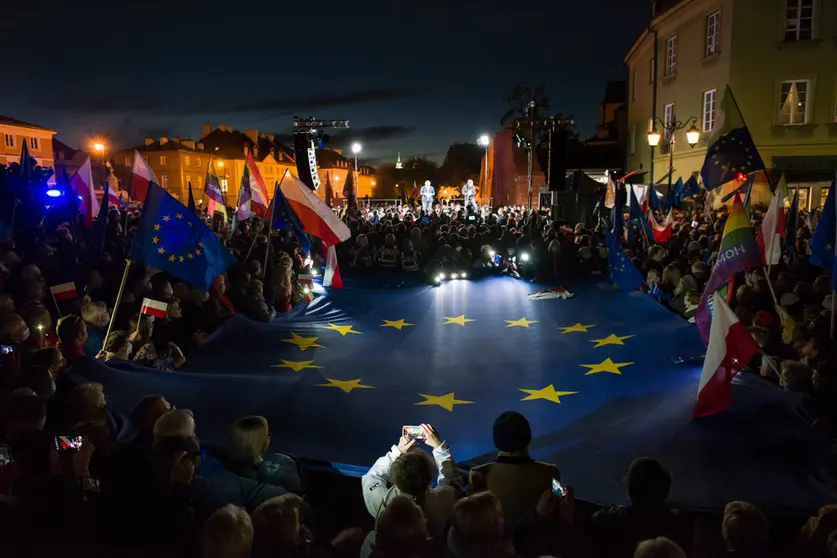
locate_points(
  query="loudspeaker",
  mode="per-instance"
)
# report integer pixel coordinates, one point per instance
(306, 159)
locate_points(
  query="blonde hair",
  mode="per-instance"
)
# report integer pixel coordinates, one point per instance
(744, 527)
(247, 438)
(478, 519)
(177, 422)
(85, 397)
(276, 525)
(228, 533)
(660, 547)
(93, 310)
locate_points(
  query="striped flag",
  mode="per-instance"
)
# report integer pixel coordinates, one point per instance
(258, 190)
(151, 307)
(64, 291)
(774, 227)
(731, 347)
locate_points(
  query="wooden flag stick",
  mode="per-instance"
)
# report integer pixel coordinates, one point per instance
(128, 264)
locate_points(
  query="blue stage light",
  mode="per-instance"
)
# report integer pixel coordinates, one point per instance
(53, 193)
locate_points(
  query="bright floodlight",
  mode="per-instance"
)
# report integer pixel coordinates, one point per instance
(464, 275)
(524, 257)
(53, 193)
(99, 147)
(356, 148)
(483, 140)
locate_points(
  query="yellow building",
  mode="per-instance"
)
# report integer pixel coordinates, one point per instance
(779, 57)
(14, 132)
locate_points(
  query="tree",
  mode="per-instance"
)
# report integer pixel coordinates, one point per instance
(389, 181)
(518, 101)
(462, 162)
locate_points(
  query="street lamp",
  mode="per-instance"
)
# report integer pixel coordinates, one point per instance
(356, 148)
(100, 147)
(671, 128)
(484, 141)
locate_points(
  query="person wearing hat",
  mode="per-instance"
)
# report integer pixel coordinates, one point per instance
(515, 478)
(616, 531)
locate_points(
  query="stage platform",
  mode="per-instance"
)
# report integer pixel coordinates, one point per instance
(595, 375)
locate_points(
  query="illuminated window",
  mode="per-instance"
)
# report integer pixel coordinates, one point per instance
(713, 33)
(165, 181)
(198, 181)
(186, 161)
(823, 196)
(669, 119)
(799, 20)
(198, 162)
(34, 144)
(10, 140)
(804, 195)
(163, 160)
(709, 110)
(188, 179)
(671, 55)
(127, 161)
(793, 103)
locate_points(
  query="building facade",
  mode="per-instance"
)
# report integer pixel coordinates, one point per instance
(175, 163)
(14, 132)
(779, 57)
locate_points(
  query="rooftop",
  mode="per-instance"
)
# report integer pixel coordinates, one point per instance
(9, 121)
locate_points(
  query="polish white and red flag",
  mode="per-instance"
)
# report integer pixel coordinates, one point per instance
(774, 226)
(113, 197)
(730, 348)
(82, 185)
(141, 178)
(662, 231)
(258, 190)
(151, 307)
(64, 291)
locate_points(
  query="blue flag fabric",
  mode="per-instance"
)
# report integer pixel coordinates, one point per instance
(653, 198)
(617, 219)
(672, 197)
(640, 219)
(284, 218)
(690, 189)
(176, 241)
(622, 270)
(792, 227)
(824, 241)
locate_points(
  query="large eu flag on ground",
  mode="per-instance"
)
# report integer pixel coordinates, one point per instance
(732, 152)
(174, 240)
(622, 270)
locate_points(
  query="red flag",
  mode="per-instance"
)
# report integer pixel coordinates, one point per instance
(773, 228)
(142, 176)
(82, 185)
(258, 191)
(662, 232)
(415, 190)
(332, 277)
(64, 291)
(151, 307)
(730, 349)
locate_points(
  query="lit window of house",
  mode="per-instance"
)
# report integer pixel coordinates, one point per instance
(793, 103)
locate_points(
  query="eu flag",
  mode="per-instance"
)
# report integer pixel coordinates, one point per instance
(622, 270)
(284, 218)
(174, 240)
(733, 152)
(671, 198)
(688, 190)
(824, 241)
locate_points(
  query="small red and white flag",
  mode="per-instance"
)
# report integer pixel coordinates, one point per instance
(64, 291)
(774, 226)
(113, 197)
(141, 178)
(730, 348)
(331, 277)
(662, 232)
(154, 308)
(82, 185)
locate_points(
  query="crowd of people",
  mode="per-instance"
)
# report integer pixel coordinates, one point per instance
(67, 483)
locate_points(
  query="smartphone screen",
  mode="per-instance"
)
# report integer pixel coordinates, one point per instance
(5, 455)
(413, 432)
(67, 443)
(6, 349)
(558, 489)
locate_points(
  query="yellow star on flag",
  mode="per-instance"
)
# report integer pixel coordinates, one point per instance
(446, 401)
(547, 393)
(606, 365)
(155, 240)
(345, 385)
(180, 216)
(166, 218)
(459, 320)
(522, 322)
(161, 250)
(296, 365)
(190, 256)
(197, 252)
(157, 226)
(342, 330)
(171, 258)
(611, 339)
(304, 343)
(180, 258)
(577, 327)
(397, 324)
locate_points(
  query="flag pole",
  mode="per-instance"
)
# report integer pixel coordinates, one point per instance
(833, 270)
(118, 301)
(270, 220)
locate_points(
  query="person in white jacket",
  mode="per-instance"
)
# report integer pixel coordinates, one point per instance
(469, 191)
(406, 470)
(427, 192)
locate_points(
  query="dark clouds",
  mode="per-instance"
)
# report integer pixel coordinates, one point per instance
(370, 134)
(98, 103)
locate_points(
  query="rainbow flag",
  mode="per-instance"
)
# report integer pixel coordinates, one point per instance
(737, 252)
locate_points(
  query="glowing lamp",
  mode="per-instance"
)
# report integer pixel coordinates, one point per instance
(693, 136)
(356, 148)
(741, 177)
(654, 137)
(483, 140)
(53, 193)
(524, 257)
(220, 163)
(99, 147)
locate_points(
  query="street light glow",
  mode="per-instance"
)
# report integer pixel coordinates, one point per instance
(693, 136)
(654, 138)
(356, 148)
(483, 140)
(220, 164)
(99, 147)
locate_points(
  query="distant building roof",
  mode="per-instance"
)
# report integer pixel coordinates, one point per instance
(64, 152)
(616, 92)
(230, 144)
(9, 121)
(167, 145)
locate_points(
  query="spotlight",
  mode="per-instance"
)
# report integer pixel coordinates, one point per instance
(306, 290)
(440, 277)
(53, 193)
(524, 257)
(492, 253)
(454, 276)
(464, 275)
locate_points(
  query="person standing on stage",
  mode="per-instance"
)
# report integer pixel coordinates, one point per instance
(427, 192)
(469, 192)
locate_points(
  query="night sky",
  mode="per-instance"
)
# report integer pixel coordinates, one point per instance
(412, 77)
